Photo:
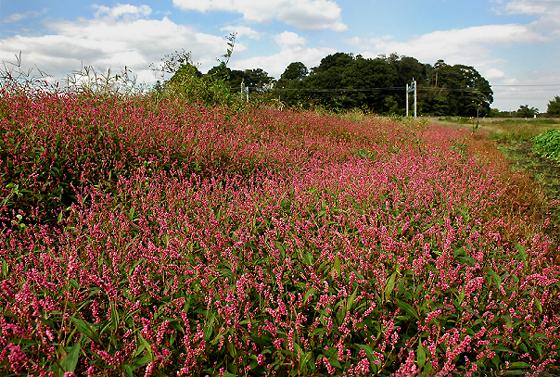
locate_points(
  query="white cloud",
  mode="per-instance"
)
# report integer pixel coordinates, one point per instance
(17, 17)
(292, 48)
(459, 45)
(122, 10)
(494, 73)
(547, 13)
(525, 7)
(242, 31)
(304, 14)
(115, 37)
(470, 46)
(288, 39)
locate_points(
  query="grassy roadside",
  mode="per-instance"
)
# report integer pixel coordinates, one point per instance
(514, 138)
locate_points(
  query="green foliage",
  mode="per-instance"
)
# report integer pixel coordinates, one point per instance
(294, 71)
(457, 90)
(554, 106)
(190, 85)
(343, 81)
(525, 111)
(548, 145)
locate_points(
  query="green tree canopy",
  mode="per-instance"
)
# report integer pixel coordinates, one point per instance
(554, 106)
(256, 79)
(344, 81)
(525, 111)
(467, 93)
(294, 71)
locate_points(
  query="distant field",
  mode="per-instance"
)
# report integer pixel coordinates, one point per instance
(514, 127)
(515, 137)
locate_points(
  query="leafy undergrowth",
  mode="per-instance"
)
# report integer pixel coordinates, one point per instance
(180, 240)
(547, 145)
(531, 151)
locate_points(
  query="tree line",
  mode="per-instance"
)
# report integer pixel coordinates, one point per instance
(344, 81)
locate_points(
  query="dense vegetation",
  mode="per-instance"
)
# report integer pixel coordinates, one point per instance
(149, 235)
(553, 108)
(548, 145)
(343, 82)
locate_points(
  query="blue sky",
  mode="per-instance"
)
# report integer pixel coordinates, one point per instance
(513, 43)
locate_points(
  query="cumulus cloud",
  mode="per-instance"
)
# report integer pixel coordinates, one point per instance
(242, 31)
(470, 43)
(303, 14)
(471, 46)
(289, 40)
(291, 48)
(547, 13)
(122, 10)
(115, 37)
(526, 7)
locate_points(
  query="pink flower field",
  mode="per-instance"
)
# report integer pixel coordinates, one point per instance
(160, 238)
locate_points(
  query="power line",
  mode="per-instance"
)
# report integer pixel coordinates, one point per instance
(327, 90)
(420, 88)
(528, 85)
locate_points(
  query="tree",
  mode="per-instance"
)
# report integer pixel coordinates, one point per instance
(525, 111)
(257, 79)
(290, 88)
(294, 71)
(554, 106)
(467, 92)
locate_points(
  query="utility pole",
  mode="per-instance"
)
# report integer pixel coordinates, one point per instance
(244, 91)
(415, 98)
(406, 91)
(412, 89)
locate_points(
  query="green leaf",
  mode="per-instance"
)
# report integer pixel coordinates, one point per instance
(369, 351)
(5, 268)
(332, 355)
(336, 265)
(420, 356)
(128, 370)
(515, 372)
(351, 299)
(519, 365)
(281, 248)
(83, 327)
(147, 347)
(309, 293)
(407, 308)
(209, 325)
(74, 283)
(521, 254)
(390, 285)
(538, 305)
(69, 363)
(308, 258)
(144, 360)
